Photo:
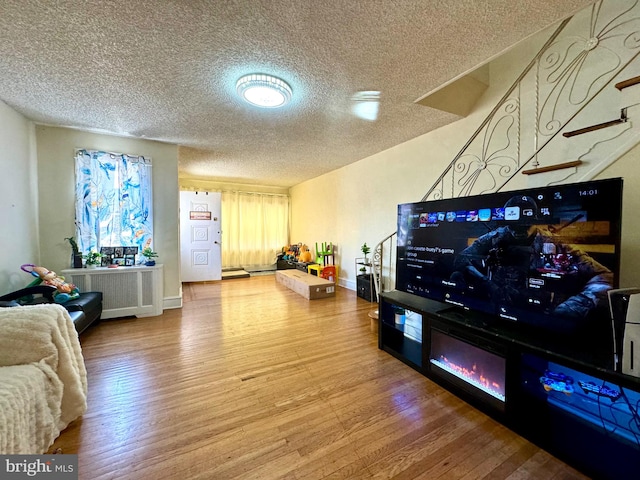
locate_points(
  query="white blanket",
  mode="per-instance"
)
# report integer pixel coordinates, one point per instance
(43, 379)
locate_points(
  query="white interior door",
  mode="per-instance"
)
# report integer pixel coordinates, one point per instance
(200, 248)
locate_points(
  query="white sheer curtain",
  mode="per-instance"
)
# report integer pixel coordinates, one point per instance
(255, 226)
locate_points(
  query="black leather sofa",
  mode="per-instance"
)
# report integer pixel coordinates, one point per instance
(84, 310)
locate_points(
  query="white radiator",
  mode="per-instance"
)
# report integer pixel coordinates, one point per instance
(126, 291)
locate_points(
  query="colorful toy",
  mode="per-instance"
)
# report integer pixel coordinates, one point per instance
(65, 291)
(305, 254)
(291, 252)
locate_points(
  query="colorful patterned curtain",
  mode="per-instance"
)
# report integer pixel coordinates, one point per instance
(113, 200)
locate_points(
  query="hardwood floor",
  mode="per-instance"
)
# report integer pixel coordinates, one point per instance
(249, 380)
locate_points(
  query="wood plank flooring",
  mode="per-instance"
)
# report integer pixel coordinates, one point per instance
(251, 381)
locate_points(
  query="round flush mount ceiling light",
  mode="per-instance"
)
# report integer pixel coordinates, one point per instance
(264, 90)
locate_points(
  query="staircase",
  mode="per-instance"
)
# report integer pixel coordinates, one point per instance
(577, 75)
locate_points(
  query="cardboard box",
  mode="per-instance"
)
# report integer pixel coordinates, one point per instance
(309, 286)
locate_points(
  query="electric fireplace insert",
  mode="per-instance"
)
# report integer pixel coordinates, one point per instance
(477, 371)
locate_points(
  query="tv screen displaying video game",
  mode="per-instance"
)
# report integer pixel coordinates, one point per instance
(542, 256)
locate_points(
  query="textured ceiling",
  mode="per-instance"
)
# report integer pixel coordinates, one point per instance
(166, 70)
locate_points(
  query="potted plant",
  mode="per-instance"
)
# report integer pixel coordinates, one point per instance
(92, 259)
(76, 256)
(149, 254)
(365, 251)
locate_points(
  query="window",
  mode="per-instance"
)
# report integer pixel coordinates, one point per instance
(255, 226)
(113, 200)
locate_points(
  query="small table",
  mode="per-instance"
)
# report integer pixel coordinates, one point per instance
(315, 268)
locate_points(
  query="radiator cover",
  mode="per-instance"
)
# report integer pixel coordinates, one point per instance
(126, 291)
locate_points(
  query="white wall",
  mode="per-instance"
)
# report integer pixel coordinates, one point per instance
(19, 206)
(358, 203)
(204, 185)
(348, 207)
(56, 148)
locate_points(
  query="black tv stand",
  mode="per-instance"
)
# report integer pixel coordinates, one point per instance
(559, 391)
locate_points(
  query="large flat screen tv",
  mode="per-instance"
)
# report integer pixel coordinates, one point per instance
(543, 256)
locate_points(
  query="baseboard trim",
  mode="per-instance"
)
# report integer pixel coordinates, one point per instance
(169, 303)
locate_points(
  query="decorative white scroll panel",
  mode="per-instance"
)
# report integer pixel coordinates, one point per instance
(570, 85)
